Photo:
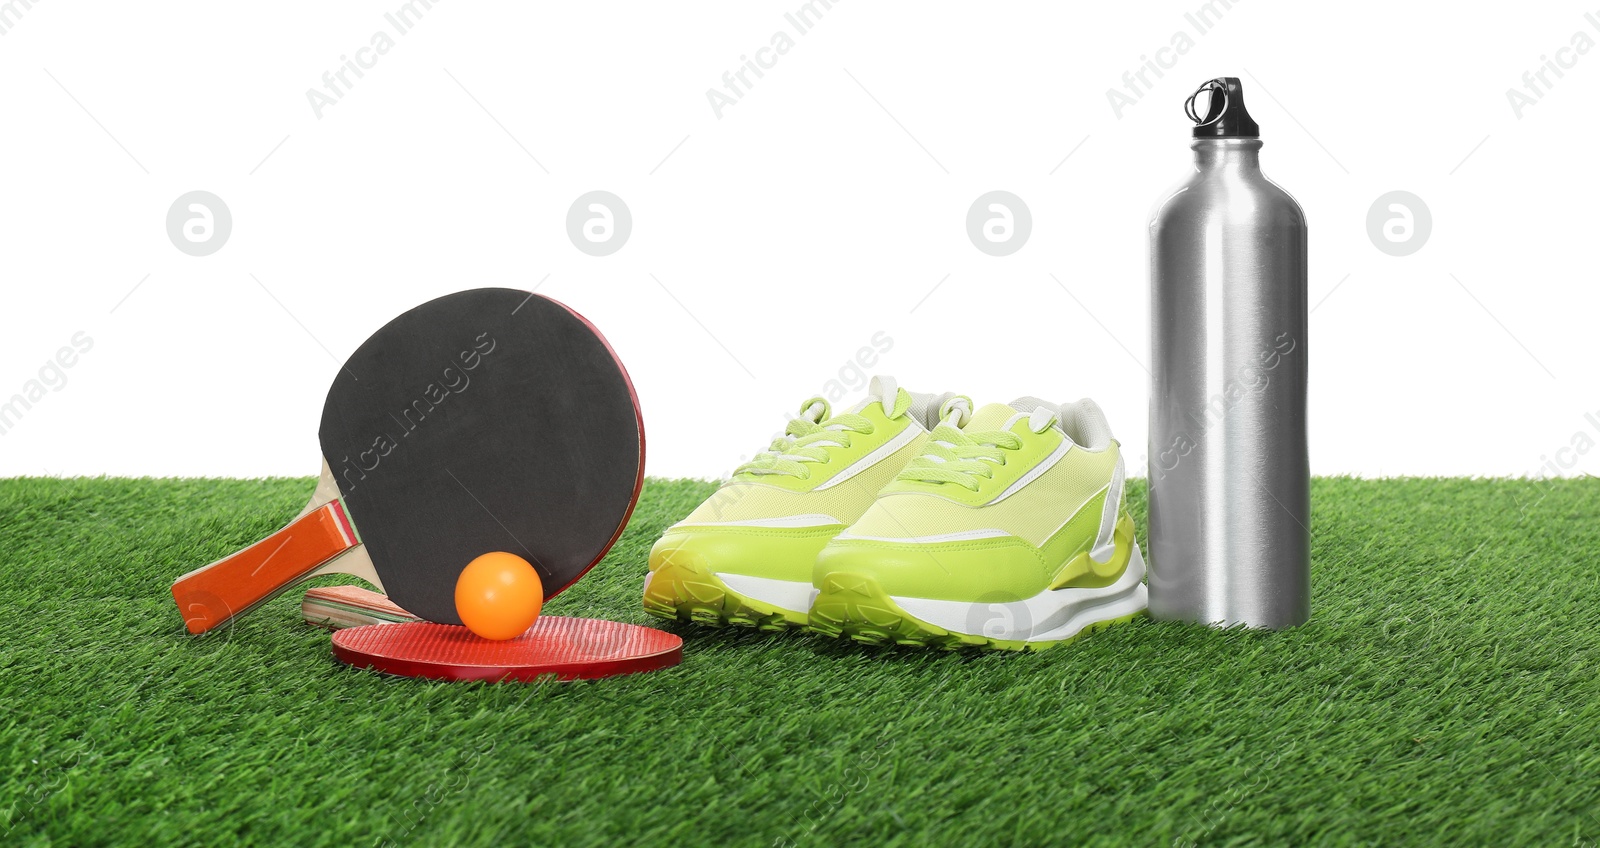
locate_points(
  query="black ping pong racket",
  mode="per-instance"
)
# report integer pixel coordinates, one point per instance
(486, 420)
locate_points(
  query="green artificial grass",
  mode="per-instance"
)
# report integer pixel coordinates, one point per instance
(1445, 692)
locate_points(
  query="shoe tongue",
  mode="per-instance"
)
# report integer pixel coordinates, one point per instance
(1029, 404)
(883, 390)
(1041, 413)
(991, 417)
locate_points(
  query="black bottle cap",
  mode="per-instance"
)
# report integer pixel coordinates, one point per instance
(1225, 113)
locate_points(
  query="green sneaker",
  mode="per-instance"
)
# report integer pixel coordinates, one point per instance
(745, 556)
(1007, 533)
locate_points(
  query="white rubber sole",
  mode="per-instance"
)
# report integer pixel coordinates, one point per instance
(785, 594)
(1050, 616)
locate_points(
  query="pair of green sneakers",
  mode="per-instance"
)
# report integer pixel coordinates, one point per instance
(913, 520)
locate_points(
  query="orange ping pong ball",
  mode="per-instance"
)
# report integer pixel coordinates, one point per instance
(499, 595)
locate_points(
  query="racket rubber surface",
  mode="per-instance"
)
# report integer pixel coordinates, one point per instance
(555, 646)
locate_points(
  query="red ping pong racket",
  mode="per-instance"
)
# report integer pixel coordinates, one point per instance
(374, 633)
(486, 420)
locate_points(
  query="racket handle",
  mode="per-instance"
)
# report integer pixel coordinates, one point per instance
(212, 596)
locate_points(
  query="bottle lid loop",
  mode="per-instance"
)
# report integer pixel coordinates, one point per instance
(1225, 116)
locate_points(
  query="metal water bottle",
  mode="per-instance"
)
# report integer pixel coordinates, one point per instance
(1230, 500)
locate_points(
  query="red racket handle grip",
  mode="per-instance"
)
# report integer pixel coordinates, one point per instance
(212, 596)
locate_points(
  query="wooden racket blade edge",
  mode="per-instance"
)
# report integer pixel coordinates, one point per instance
(339, 607)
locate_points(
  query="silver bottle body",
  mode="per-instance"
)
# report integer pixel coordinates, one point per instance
(1229, 536)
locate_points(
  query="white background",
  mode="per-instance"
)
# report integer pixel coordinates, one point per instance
(819, 210)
